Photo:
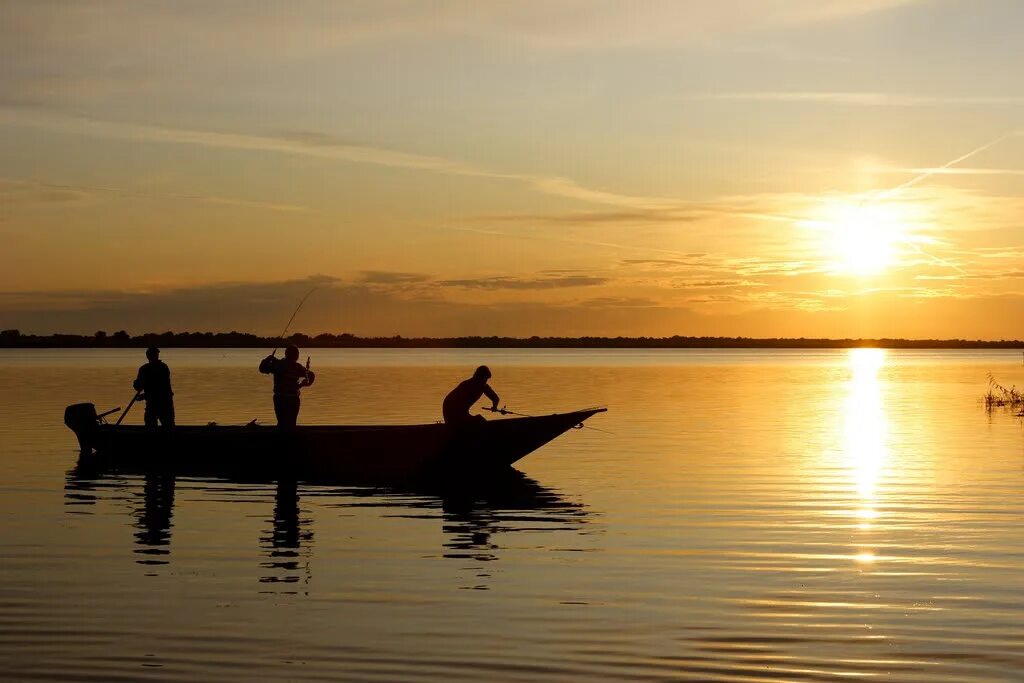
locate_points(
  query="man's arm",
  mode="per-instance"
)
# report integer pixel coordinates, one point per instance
(267, 364)
(139, 384)
(167, 376)
(491, 395)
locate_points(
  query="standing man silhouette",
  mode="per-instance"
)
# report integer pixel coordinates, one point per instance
(289, 378)
(154, 384)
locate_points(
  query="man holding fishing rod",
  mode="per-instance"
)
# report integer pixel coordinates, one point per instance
(289, 377)
(464, 396)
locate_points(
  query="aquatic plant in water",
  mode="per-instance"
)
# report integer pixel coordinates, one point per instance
(999, 396)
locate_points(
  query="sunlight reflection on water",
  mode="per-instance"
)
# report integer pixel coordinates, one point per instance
(865, 436)
(750, 516)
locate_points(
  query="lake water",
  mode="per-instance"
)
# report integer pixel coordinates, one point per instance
(744, 516)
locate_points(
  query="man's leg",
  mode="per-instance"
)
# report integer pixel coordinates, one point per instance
(287, 410)
(279, 410)
(151, 416)
(167, 415)
(293, 411)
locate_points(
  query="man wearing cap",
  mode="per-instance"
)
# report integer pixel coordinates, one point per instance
(154, 386)
(289, 377)
(460, 399)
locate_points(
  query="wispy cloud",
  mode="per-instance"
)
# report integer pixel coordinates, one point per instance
(264, 30)
(328, 147)
(18, 191)
(510, 282)
(859, 99)
(670, 215)
(951, 171)
(389, 277)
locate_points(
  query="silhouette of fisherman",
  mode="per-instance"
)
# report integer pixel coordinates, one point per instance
(289, 377)
(154, 383)
(460, 399)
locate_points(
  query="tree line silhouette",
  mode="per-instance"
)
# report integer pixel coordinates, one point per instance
(121, 339)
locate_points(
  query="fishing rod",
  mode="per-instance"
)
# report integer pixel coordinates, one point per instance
(506, 411)
(291, 319)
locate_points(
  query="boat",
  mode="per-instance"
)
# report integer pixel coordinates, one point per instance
(320, 451)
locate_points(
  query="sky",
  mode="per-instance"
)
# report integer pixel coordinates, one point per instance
(766, 168)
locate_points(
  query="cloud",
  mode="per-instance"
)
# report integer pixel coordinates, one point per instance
(598, 217)
(508, 282)
(327, 147)
(939, 170)
(685, 261)
(713, 284)
(244, 203)
(387, 277)
(257, 31)
(360, 308)
(338, 306)
(288, 144)
(32, 192)
(24, 193)
(859, 99)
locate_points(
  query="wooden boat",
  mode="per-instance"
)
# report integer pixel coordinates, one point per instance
(321, 451)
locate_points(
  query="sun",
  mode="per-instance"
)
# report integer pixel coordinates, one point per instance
(864, 239)
(861, 239)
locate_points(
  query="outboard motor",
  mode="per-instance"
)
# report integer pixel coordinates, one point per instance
(81, 418)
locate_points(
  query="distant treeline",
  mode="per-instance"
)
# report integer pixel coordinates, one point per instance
(121, 339)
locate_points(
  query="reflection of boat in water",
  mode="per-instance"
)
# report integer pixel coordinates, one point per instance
(319, 451)
(471, 514)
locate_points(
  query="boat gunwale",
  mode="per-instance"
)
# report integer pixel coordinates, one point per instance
(111, 428)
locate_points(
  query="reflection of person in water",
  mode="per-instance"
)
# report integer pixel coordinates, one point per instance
(153, 519)
(460, 399)
(289, 378)
(288, 535)
(154, 384)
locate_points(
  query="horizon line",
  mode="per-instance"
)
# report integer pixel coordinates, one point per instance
(13, 338)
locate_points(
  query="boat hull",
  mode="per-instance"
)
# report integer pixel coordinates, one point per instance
(326, 451)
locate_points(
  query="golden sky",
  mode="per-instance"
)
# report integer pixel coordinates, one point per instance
(739, 167)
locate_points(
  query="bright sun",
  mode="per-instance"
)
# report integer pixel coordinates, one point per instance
(861, 239)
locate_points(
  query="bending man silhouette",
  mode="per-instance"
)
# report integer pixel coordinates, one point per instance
(460, 399)
(154, 383)
(289, 378)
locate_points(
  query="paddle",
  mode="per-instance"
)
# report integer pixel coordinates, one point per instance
(134, 399)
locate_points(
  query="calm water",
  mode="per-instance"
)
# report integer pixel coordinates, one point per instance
(752, 516)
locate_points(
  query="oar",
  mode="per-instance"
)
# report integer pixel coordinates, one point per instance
(134, 399)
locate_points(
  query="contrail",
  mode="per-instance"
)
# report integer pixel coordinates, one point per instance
(878, 197)
(938, 169)
(930, 172)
